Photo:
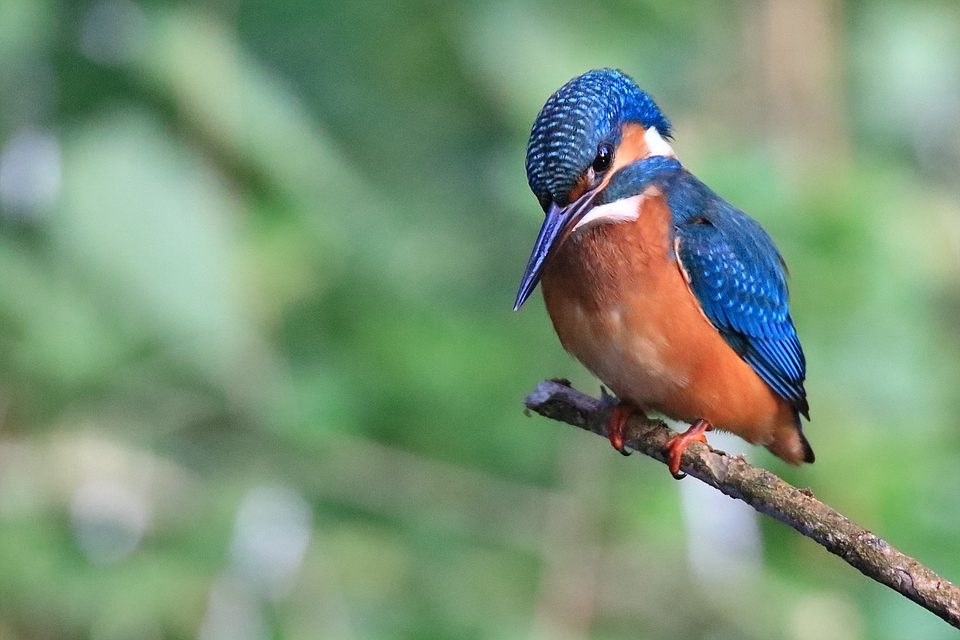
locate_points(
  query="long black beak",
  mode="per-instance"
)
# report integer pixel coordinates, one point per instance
(560, 221)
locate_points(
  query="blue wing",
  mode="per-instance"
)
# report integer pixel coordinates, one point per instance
(737, 275)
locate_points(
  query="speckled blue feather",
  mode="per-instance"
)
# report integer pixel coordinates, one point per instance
(581, 115)
(738, 277)
(735, 272)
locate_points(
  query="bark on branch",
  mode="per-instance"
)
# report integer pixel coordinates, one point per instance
(766, 493)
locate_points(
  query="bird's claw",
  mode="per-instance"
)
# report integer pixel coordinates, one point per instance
(676, 445)
(618, 420)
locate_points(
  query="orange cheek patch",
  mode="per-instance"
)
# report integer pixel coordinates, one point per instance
(633, 147)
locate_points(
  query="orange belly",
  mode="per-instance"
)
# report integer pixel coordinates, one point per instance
(619, 303)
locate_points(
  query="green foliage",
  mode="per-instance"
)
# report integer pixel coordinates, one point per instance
(259, 376)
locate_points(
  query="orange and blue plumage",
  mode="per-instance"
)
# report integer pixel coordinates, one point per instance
(673, 297)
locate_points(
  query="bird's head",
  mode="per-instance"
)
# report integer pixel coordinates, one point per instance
(586, 134)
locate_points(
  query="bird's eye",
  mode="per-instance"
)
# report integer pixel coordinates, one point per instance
(604, 157)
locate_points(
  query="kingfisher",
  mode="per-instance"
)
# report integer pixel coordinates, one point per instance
(675, 299)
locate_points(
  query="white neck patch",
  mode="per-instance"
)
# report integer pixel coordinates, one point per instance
(657, 145)
(625, 210)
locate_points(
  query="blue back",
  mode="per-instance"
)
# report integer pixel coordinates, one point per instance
(735, 271)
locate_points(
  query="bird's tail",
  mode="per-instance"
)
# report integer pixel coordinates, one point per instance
(790, 444)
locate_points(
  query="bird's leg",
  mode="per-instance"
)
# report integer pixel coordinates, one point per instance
(676, 445)
(618, 420)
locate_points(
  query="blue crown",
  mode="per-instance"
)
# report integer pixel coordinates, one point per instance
(576, 119)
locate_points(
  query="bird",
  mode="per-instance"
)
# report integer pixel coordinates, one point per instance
(675, 299)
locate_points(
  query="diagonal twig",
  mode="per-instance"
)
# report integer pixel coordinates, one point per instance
(766, 493)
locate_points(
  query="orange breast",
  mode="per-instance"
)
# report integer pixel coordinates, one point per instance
(619, 303)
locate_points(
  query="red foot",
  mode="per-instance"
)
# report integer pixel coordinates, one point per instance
(676, 445)
(618, 420)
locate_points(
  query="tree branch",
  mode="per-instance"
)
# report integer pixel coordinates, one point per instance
(766, 493)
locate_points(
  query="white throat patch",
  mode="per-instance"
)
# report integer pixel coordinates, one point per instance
(626, 210)
(657, 145)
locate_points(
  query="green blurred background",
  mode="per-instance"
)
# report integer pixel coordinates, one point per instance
(259, 376)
